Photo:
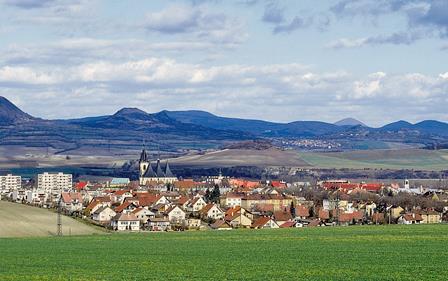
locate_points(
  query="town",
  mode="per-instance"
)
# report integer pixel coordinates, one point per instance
(159, 201)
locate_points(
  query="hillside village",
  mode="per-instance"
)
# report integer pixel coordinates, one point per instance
(159, 201)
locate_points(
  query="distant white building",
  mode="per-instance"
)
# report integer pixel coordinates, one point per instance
(54, 181)
(9, 182)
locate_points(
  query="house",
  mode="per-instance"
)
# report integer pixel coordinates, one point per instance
(221, 225)
(238, 219)
(232, 199)
(264, 222)
(212, 211)
(410, 218)
(302, 212)
(143, 214)
(324, 215)
(431, 217)
(196, 204)
(378, 218)
(118, 182)
(120, 195)
(71, 202)
(126, 207)
(394, 212)
(315, 223)
(193, 223)
(103, 214)
(125, 221)
(175, 214)
(158, 224)
(96, 203)
(282, 217)
(288, 224)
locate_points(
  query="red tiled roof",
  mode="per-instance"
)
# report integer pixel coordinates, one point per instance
(69, 197)
(123, 206)
(80, 185)
(288, 224)
(261, 221)
(282, 216)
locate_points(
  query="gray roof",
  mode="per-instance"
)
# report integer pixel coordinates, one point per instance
(159, 170)
(149, 173)
(168, 172)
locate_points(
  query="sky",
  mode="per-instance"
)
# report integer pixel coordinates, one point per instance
(375, 60)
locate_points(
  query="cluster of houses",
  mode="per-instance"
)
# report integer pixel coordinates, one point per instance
(159, 201)
(147, 208)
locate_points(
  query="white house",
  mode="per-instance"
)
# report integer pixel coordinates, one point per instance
(143, 214)
(232, 200)
(264, 222)
(175, 214)
(124, 221)
(212, 211)
(158, 224)
(103, 214)
(71, 201)
(412, 218)
(196, 204)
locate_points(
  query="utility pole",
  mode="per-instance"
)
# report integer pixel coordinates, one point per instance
(59, 228)
(337, 207)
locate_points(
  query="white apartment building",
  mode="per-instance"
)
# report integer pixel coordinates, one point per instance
(9, 182)
(54, 181)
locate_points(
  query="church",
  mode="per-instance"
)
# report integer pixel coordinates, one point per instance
(156, 174)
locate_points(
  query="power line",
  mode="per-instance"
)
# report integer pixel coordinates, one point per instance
(59, 227)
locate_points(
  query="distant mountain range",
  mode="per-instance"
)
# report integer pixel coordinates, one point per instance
(175, 130)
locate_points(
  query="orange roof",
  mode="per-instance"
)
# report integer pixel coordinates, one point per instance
(207, 208)
(244, 183)
(288, 224)
(261, 221)
(282, 216)
(233, 210)
(121, 192)
(69, 197)
(123, 206)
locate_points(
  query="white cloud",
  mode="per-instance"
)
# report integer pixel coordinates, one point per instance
(198, 21)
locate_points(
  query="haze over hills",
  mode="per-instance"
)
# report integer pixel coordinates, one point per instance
(178, 130)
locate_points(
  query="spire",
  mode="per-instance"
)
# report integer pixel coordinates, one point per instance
(159, 170)
(143, 156)
(168, 172)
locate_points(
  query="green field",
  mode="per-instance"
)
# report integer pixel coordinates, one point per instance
(418, 159)
(418, 252)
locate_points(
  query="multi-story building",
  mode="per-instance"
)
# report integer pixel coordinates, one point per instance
(9, 182)
(54, 182)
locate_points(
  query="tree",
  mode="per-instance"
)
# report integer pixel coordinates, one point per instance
(207, 195)
(215, 194)
(292, 209)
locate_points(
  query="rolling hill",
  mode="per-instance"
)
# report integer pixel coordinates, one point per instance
(175, 131)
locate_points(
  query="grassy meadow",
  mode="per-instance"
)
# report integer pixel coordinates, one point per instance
(416, 252)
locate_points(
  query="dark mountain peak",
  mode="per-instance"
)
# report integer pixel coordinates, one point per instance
(11, 114)
(130, 111)
(350, 122)
(398, 125)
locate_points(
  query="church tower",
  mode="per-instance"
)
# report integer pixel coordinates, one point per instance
(143, 162)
